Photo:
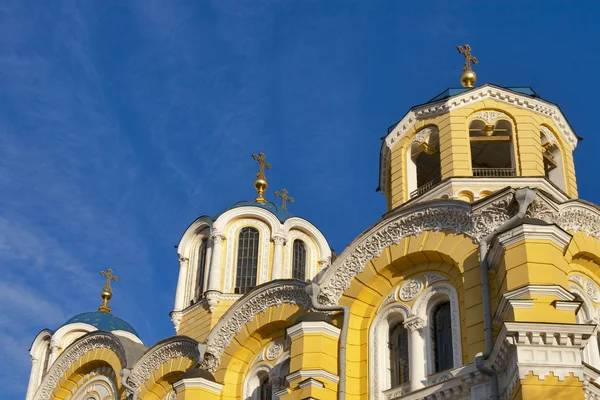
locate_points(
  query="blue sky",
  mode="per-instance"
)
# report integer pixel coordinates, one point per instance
(122, 122)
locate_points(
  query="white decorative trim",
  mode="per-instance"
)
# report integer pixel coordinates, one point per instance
(432, 278)
(525, 232)
(422, 307)
(244, 311)
(567, 305)
(410, 289)
(453, 185)
(232, 243)
(99, 384)
(577, 278)
(308, 327)
(162, 352)
(378, 350)
(274, 350)
(491, 116)
(424, 135)
(548, 134)
(390, 298)
(521, 298)
(436, 216)
(197, 383)
(71, 354)
(313, 373)
(588, 306)
(127, 335)
(542, 348)
(311, 382)
(591, 289)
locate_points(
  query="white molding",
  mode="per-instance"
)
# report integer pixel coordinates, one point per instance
(453, 185)
(523, 232)
(300, 224)
(456, 102)
(312, 373)
(311, 382)
(567, 305)
(197, 383)
(378, 351)
(520, 298)
(422, 307)
(311, 327)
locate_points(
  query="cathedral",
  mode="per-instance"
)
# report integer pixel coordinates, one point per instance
(481, 280)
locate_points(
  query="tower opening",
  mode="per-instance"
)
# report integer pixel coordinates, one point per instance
(491, 149)
(424, 169)
(553, 162)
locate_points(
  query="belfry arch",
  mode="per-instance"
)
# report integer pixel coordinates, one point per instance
(491, 137)
(423, 161)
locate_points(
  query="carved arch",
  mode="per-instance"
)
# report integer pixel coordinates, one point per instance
(457, 217)
(162, 352)
(84, 345)
(244, 310)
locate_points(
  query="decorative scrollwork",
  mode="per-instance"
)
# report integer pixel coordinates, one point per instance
(87, 343)
(178, 346)
(244, 311)
(410, 289)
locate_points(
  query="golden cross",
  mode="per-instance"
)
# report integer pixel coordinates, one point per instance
(108, 274)
(466, 51)
(260, 157)
(284, 198)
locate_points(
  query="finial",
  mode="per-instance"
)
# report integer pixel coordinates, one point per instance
(468, 77)
(260, 184)
(284, 198)
(106, 293)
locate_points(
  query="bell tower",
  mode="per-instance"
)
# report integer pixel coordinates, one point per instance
(466, 143)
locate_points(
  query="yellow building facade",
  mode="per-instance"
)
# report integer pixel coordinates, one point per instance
(482, 281)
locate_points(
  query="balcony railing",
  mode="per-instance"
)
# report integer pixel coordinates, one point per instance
(425, 187)
(494, 172)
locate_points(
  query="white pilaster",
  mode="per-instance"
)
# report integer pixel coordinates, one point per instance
(33, 378)
(180, 292)
(277, 270)
(54, 346)
(214, 273)
(594, 350)
(416, 353)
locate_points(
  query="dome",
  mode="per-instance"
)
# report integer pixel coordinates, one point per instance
(103, 321)
(281, 214)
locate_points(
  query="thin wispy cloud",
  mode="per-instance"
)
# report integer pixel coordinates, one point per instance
(120, 123)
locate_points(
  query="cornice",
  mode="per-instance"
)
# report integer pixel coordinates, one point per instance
(312, 327)
(312, 373)
(197, 383)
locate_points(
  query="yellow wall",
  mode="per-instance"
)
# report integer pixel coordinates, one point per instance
(455, 149)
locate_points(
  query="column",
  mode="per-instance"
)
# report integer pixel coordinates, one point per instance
(180, 292)
(593, 349)
(33, 378)
(277, 270)
(214, 274)
(416, 353)
(54, 346)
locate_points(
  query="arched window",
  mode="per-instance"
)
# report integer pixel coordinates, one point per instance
(441, 334)
(299, 260)
(423, 162)
(247, 260)
(201, 267)
(265, 392)
(553, 162)
(398, 346)
(491, 148)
